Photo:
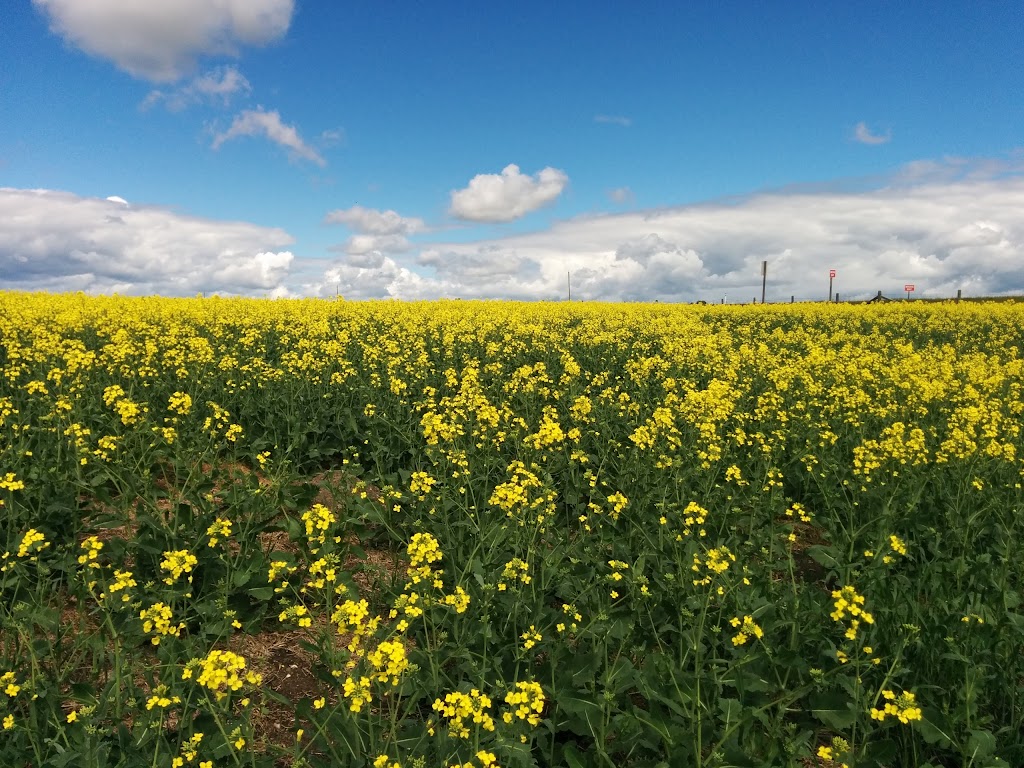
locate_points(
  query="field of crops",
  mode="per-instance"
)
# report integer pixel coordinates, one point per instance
(308, 533)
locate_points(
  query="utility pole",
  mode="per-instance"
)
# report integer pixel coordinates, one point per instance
(764, 278)
(568, 282)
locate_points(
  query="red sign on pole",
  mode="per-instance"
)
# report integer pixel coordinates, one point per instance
(831, 273)
(909, 287)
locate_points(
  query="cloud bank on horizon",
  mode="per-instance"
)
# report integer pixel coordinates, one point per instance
(58, 241)
(942, 226)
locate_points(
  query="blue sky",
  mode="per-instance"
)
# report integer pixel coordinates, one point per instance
(660, 151)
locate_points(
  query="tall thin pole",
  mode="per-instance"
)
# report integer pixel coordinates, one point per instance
(764, 278)
(568, 282)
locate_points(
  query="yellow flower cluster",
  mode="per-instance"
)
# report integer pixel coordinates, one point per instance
(123, 582)
(549, 432)
(324, 571)
(354, 617)
(618, 502)
(716, 561)
(420, 485)
(180, 403)
(898, 446)
(10, 482)
(297, 613)
(178, 563)
(747, 628)
(220, 528)
(318, 521)
(156, 621)
(530, 637)
(487, 760)
(523, 497)
(160, 699)
(515, 570)
(389, 661)
(459, 600)
(91, 548)
(357, 691)
(848, 602)
(694, 516)
(903, 707)
(190, 751)
(221, 672)
(32, 543)
(9, 681)
(527, 698)
(461, 709)
(570, 612)
(836, 753)
(423, 552)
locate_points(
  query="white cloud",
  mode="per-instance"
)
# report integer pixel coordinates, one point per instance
(259, 122)
(950, 224)
(59, 241)
(378, 233)
(625, 122)
(864, 135)
(508, 196)
(374, 222)
(358, 244)
(942, 225)
(216, 86)
(621, 195)
(160, 40)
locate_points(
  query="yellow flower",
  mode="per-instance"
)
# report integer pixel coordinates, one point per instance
(531, 637)
(32, 543)
(177, 563)
(461, 709)
(221, 672)
(527, 699)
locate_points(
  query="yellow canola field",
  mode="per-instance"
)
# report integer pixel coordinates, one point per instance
(498, 533)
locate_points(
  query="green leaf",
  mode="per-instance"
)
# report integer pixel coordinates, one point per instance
(980, 745)
(573, 757)
(823, 556)
(834, 710)
(730, 711)
(934, 727)
(882, 751)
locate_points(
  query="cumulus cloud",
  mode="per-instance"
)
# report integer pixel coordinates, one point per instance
(947, 225)
(161, 40)
(511, 195)
(864, 135)
(625, 122)
(59, 241)
(378, 233)
(259, 122)
(374, 222)
(217, 86)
